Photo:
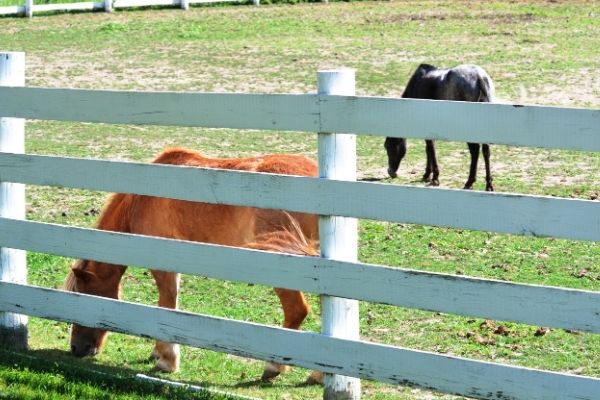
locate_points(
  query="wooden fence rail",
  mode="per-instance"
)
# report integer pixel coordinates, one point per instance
(342, 276)
(29, 8)
(389, 364)
(515, 125)
(494, 212)
(530, 304)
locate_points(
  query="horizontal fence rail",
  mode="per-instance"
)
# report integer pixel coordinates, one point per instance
(100, 6)
(535, 126)
(494, 212)
(81, 6)
(353, 358)
(215, 110)
(531, 304)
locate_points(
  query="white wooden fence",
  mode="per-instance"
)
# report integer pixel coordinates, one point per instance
(28, 8)
(496, 212)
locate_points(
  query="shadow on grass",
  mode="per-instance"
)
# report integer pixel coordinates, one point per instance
(116, 380)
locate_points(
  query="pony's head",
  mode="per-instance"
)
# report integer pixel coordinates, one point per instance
(86, 278)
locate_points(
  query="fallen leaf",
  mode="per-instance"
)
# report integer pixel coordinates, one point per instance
(485, 341)
(487, 324)
(584, 273)
(541, 331)
(501, 330)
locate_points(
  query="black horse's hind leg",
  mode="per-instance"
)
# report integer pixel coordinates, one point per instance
(485, 150)
(474, 150)
(396, 150)
(432, 166)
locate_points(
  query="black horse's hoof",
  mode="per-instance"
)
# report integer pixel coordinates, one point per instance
(435, 182)
(392, 173)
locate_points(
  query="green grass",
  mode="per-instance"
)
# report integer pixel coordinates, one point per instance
(43, 375)
(536, 52)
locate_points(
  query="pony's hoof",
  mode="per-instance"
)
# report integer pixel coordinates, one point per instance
(165, 366)
(489, 188)
(392, 173)
(315, 378)
(435, 182)
(425, 178)
(272, 371)
(269, 376)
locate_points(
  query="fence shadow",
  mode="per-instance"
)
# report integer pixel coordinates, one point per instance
(118, 380)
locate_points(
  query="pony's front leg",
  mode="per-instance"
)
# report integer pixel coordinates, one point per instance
(167, 354)
(295, 310)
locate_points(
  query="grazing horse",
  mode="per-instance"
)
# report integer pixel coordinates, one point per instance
(202, 222)
(461, 83)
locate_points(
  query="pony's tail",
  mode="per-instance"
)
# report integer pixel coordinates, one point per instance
(287, 238)
(117, 213)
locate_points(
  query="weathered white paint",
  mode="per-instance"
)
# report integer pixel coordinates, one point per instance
(338, 235)
(185, 4)
(12, 10)
(549, 127)
(213, 1)
(176, 3)
(219, 110)
(489, 299)
(531, 126)
(82, 6)
(144, 3)
(494, 212)
(355, 358)
(106, 5)
(537, 126)
(13, 265)
(29, 8)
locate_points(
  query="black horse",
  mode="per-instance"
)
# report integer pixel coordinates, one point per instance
(461, 83)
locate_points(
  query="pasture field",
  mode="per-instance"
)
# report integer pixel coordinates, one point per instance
(538, 52)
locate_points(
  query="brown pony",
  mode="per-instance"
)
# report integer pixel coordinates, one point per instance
(202, 222)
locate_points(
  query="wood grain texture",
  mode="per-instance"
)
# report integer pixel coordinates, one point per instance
(531, 304)
(218, 110)
(517, 125)
(12, 10)
(494, 212)
(13, 263)
(338, 235)
(537, 126)
(353, 358)
(81, 6)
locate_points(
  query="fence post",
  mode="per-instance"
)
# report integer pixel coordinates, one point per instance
(256, 2)
(185, 4)
(13, 266)
(338, 235)
(29, 8)
(108, 6)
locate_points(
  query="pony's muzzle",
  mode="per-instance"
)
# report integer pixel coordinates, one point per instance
(83, 351)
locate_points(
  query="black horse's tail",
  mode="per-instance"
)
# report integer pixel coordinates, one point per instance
(486, 89)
